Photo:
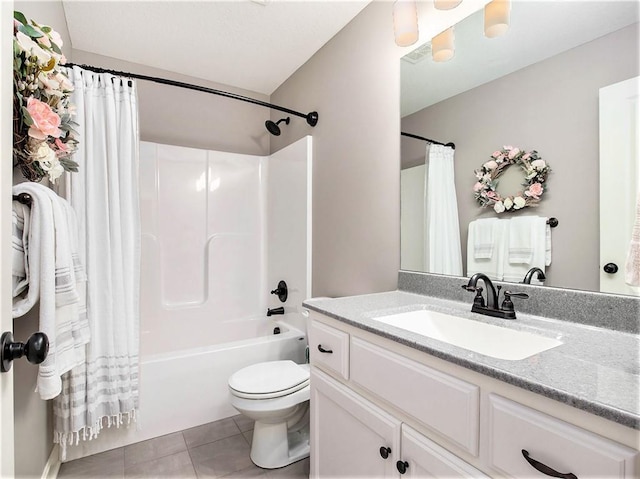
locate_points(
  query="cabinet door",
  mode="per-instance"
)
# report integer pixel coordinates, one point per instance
(424, 458)
(348, 432)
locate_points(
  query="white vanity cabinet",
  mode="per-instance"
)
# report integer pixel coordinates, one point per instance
(372, 397)
(352, 437)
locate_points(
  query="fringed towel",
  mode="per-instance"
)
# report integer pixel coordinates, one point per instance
(49, 276)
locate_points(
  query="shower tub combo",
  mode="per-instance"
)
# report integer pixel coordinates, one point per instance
(215, 240)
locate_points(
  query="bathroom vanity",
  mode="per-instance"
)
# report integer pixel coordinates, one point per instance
(386, 401)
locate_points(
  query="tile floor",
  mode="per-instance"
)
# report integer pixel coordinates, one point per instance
(215, 450)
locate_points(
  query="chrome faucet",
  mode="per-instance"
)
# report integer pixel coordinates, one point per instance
(529, 276)
(490, 308)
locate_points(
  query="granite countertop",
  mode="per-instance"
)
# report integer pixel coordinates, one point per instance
(595, 369)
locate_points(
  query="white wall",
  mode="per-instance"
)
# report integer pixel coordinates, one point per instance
(289, 227)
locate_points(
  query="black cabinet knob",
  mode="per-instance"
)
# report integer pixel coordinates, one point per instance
(35, 349)
(384, 452)
(322, 350)
(402, 466)
(610, 268)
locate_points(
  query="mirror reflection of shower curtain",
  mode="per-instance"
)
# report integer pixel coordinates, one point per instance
(443, 253)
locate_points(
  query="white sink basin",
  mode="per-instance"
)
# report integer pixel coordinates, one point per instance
(487, 339)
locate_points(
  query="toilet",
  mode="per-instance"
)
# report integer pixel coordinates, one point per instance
(275, 394)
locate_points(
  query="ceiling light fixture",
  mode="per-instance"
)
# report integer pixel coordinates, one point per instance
(496, 18)
(446, 4)
(405, 22)
(442, 46)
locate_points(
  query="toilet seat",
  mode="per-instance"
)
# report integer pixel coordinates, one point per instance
(269, 380)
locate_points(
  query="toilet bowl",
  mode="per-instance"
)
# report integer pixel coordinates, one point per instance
(275, 394)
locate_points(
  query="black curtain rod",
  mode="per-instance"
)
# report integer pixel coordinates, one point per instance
(312, 117)
(410, 135)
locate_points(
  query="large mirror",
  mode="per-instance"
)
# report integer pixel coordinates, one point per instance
(540, 86)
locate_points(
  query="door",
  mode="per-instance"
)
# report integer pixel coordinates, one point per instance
(6, 140)
(423, 458)
(350, 437)
(619, 181)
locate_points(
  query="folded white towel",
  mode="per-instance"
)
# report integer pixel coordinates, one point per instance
(482, 232)
(493, 266)
(632, 266)
(520, 240)
(516, 272)
(51, 280)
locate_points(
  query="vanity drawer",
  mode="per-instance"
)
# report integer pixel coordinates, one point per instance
(441, 402)
(329, 348)
(563, 447)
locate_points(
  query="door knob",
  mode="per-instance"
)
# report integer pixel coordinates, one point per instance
(35, 349)
(610, 268)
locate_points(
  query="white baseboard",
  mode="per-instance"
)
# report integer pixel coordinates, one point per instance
(52, 466)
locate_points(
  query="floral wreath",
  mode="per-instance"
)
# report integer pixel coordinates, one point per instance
(43, 130)
(536, 171)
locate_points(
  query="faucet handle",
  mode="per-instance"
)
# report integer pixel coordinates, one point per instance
(507, 304)
(469, 288)
(509, 294)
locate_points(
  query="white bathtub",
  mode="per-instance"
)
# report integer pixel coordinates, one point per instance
(188, 388)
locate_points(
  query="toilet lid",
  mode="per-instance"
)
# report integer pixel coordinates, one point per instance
(269, 377)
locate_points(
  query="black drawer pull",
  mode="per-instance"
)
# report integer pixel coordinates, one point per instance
(322, 350)
(402, 466)
(544, 469)
(384, 452)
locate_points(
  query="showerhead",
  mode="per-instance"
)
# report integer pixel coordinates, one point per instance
(273, 128)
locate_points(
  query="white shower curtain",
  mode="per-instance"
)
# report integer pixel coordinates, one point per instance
(443, 253)
(104, 194)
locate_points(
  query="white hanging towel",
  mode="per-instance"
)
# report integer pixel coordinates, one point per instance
(521, 240)
(492, 266)
(483, 242)
(50, 278)
(530, 248)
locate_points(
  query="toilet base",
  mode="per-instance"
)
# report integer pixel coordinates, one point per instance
(274, 445)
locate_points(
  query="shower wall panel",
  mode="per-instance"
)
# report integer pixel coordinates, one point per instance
(202, 237)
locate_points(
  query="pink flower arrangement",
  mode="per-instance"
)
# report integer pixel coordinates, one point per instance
(535, 170)
(43, 136)
(45, 121)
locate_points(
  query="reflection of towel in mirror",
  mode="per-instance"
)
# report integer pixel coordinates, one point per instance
(483, 244)
(530, 248)
(632, 267)
(492, 266)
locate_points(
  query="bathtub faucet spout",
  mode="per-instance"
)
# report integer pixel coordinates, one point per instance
(273, 311)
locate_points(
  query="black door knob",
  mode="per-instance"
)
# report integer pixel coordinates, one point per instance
(610, 268)
(35, 349)
(384, 452)
(402, 466)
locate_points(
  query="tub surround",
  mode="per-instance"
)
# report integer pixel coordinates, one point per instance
(595, 369)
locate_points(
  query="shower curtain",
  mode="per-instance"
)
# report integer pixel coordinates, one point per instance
(443, 253)
(104, 194)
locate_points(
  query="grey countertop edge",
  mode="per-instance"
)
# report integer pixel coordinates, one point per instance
(611, 413)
